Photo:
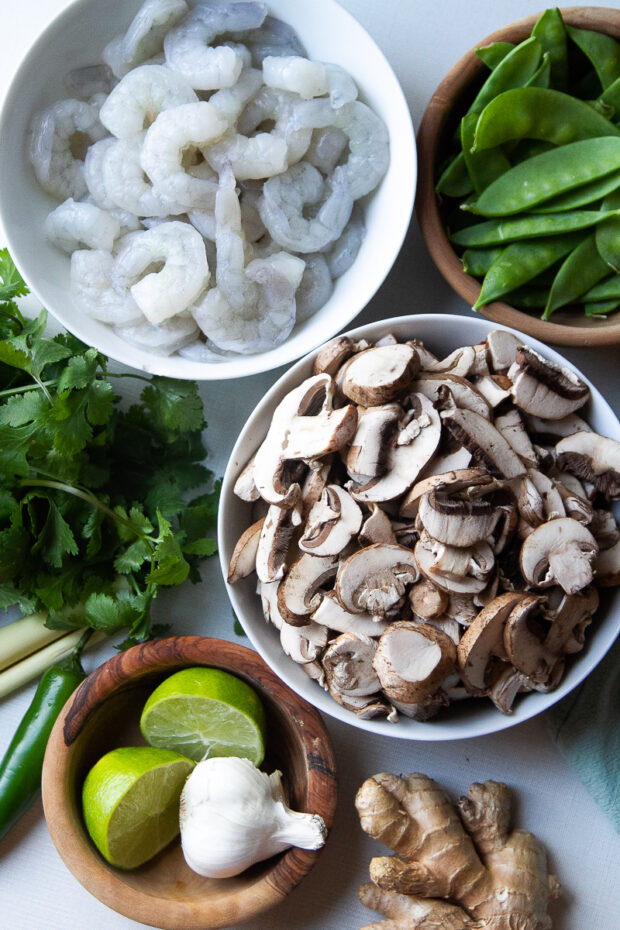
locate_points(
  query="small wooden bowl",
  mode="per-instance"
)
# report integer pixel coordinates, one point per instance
(104, 713)
(570, 327)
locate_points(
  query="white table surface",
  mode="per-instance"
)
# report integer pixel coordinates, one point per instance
(422, 39)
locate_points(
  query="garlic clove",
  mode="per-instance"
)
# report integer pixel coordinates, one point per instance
(233, 815)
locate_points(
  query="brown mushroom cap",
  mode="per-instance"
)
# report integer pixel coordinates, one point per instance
(332, 355)
(482, 640)
(543, 389)
(593, 458)
(377, 375)
(412, 660)
(560, 551)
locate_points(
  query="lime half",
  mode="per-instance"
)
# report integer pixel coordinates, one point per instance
(131, 799)
(205, 712)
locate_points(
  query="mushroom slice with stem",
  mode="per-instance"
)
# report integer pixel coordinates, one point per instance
(427, 600)
(245, 487)
(409, 451)
(501, 350)
(469, 477)
(505, 682)
(524, 640)
(374, 579)
(367, 455)
(298, 594)
(512, 428)
(486, 444)
(484, 640)
(303, 426)
(462, 571)
(495, 389)
(439, 387)
(412, 660)
(456, 519)
(593, 458)
(560, 551)
(331, 614)
(315, 482)
(377, 375)
(333, 521)
(332, 355)
(276, 535)
(569, 621)
(303, 643)
(459, 362)
(538, 501)
(543, 389)
(349, 670)
(376, 528)
(243, 559)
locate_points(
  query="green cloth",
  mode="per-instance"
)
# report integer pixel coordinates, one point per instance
(585, 726)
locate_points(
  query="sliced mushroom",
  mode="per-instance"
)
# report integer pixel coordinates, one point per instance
(426, 357)
(494, 390)
(332, 355)
(331, 614)
(577, 507)
(560, 551)
(513, 430)
(468, 477)
(377, 375)
(333, 521)
(569, 622)
(593, 458)
(456, 519)
(444, 462)
(525, 645)
(459, 362)
(298, 594)
(303, 643)
(367, 454)
(461, 608)
(376, 528)
(424, 710)
(505, 683)
(243, 559)
(349, 670)
(607, 566)
(462, 571)
(275, 538)
(448, 626)
(604, 528)
(315, 482)
(268, 592)
(486, 444)
(437, 386)
(483, 640)
(543, 389)
(245, 487)
(412, 660)
(539, 501)
(427, 600)
(375, 579)
(501, 350)
(548, 432)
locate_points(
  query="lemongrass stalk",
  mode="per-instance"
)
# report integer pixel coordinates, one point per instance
(34, 665)
(23, 637)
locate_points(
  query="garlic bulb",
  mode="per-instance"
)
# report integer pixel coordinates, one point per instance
(233, 815)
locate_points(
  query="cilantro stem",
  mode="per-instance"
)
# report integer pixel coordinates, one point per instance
(40, 385)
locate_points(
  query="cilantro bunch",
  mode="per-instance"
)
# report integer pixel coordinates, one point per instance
(94, 515)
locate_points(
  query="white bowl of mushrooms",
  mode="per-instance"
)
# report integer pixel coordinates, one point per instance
(417, 527)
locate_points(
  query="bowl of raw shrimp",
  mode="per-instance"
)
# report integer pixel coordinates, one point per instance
(205, 191)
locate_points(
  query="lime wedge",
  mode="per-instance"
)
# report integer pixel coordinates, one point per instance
(130, 800)
(205, 712)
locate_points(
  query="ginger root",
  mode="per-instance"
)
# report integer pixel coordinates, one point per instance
(453, 869)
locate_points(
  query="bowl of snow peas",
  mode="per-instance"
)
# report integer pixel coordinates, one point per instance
(519, 194)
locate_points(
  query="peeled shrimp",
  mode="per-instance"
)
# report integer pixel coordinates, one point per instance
(94, 294)
(138, 98)
(74, 225)
(56, 135)
(185, 273)
(309, 79)
(189, 49)
(316, 287)
(167, 141)
(164, 339)
(230, 101)
(343, 252)
(280, 107)
(127, 187)
(283, 201)
(326, 148)
(273, 38)
(145, 35)
(93, 172)
(90, 80)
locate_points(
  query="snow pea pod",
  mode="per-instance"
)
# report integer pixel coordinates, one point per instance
(522, 261)
(583, 195)
(455, 181)
(601, 307)
(528, 297)
(483, 167)
(492, 54)
(494, 232)
(545, 176)
(515, 70)
(551, 33)
(539, 113)
(580, 271)
(608, 236)
(477, 262)
(602, 50)
(542, 75)
(611, 96)
(605, 290)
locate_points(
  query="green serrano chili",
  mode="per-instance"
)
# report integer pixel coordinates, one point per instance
(483, 167)
(20, 769)
(522, 261)
(477, 262)
(545, 176)
(551, 33)
(583, 195)
(492, 54)
(494, 232)
(539, 113)
(514, 70)
(602, 50)
(580, 271)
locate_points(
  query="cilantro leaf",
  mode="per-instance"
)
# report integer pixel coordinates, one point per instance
(56, 539)
(13, 285)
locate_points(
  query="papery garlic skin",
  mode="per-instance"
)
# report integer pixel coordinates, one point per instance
(233, 815)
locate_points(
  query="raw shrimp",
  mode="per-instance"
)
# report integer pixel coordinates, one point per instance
(273, 38)
(145, 36)
(189, 50)
(125, 185)
(278, 106)
(164, 293)
(93, 293)
(369, 154)
(200, 351)
(74, 225)
(309, 78)
(231, 101)
(164, 339)
(174, 133)
(204, 222)
(316, 287)
(56, 137)
(253, 226)
(343, 252)
(326, 148)
(92, 79)
(143, 93)
(283, 201)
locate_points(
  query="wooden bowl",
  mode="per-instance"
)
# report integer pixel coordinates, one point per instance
(104, 713)
(570, 327)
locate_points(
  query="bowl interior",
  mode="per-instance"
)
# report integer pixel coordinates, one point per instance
(165, 891)
(462, 719)
(78, 36)
(441, 120)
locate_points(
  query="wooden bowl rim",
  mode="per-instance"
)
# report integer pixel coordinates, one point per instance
(71, 839)
(589, 333)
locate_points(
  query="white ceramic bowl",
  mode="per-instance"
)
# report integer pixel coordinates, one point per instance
(76, 38)
(442, 334)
